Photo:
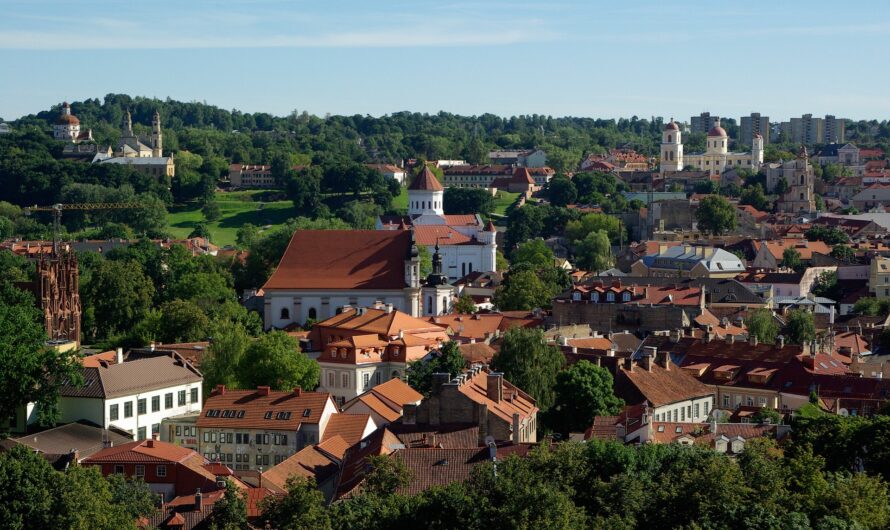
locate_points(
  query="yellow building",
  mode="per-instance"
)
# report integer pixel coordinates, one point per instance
(715, 160)
(879, 277)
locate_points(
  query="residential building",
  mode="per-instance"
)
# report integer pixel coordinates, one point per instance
(80, 440)
(808, 130)
(715, 160)
(169, 470)
(879, 277)
(252, 429)
(521, 181)
(683, 261)
(389, 171)
(255, 176)
(160, 167)
(384, 402)
(464, 242)
(319, 462)
(872, 197)
(703, 123)
(5, 128)
(770, 253)
(785, 283)
(323, 270)
(482, 397)
(521, 157)
(845, 154)
(133, 394)
(486, 176)
(669, 393)
(607, 306)
(360, 348)
(754, 125)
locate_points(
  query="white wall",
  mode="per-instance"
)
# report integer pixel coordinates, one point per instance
(277, 300)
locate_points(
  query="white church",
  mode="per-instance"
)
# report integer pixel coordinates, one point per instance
(715, 160)
(465, 243)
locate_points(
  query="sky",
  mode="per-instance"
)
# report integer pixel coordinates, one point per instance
(602, 59)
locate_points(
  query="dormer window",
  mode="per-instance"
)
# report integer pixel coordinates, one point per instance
(576, 296)
(596, 297)
(610, 297)
(625, 297)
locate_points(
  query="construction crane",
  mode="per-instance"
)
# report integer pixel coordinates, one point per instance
(57, 210)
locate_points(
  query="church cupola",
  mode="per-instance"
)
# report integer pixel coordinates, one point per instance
(425, 194)
(436, 292)
(671, 148)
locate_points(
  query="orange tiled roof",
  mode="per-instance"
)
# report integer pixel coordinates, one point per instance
(349, 427)
(262, 409)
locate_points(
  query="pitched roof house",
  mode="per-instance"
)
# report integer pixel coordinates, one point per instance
(384, 402)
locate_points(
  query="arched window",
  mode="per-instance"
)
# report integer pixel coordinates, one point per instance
(672, 155)
(801, 180)
(429, 304)
(444, 304)
(313, 314)
(723, 143)
(285, 313)
(395, 374)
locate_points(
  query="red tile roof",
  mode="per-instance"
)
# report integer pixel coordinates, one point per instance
(350, 427)
(426, 181)
(658, 386)
(343, 259)
(262, 409)
(444, 235)
(142, 451)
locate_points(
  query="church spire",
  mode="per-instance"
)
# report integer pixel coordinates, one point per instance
(128, 125)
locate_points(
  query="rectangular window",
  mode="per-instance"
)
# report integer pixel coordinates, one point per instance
(155, 403)
(761, 401)
(697, 410)
(168, 400)
(119, 469)
(195, 395)
(140, 471)
(283, 439)
(675, 414)
(706, 407)
(377, 378)
(113, 412)
(682, 413)
(180, 398)
(140, 433)
(258, 439)
(140, 406)
(178, 430)
(344, 379)
(206, 437)
(155, 428)
(213, 437)
(726, 401)
(161, 471)
(128, 409)
(366, 380)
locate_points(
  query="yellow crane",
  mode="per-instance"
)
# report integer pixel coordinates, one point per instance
(57, 210)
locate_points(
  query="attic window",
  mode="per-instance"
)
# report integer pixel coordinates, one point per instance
(268, 415)
(282, 416)
(240, 413)
(307, 412)
(661, 428)
(678, 429)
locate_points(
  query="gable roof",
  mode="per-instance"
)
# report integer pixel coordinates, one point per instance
(87, 439)
(262, 409)
(659, 386)
(307, 462)
(143, 451)
(343, 259)
(349, 427)
(151, 372)
(521, 403)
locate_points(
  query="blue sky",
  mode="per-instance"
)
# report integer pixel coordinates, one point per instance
(566, 57)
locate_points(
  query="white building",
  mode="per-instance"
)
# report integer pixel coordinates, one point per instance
(323, 270)
(466, 243)
(67, 127)
(715, 160)
(133, 394)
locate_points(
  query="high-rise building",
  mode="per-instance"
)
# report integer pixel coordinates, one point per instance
(753, 125)
(834, 130)
(808, 130)
(704, 122)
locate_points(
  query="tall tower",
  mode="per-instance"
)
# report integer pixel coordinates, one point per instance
(157, 137)
(488, 237)
(800, 196)
(436, 292)
(757, 151)
(671, 148)
(412, 278)
(425, 194)
(127, 128)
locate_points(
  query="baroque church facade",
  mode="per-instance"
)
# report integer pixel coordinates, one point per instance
(715, 160)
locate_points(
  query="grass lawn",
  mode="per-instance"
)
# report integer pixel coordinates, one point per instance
(237, 208)
(502, 200)
(400, 202)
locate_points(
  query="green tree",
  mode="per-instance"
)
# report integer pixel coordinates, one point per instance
(870, 306)
(791, 259)
(530, 364)
(201, 230)
(843, 253)
(761, 324)
(577, 230)
(828, 234)
(467, 201)
(302, 506)
(536, 253)
(826, 286)
(222, 359)
(29, 371)
(426, 260)
(119, 295)
(182, 321)
(275, 360)
(767, 414)
(594, 252)
(754, 196)
(583, 391)
(385, 475)
(561, 191)
(211, 211)
(716, 215)
(448, 360)
(230, 512)
(133, 494)
(247, 235)
(801, 326)
(522, 291)
(465, 305)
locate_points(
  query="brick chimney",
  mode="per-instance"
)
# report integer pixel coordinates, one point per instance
(494, 386)
(663, 358)
(263, 390)
(439, 380)
(647, 363)
(198, 499)
(409, 414)
(220, 390)
(150, 443)
(629, 364)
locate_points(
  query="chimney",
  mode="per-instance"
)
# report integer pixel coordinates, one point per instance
(198, 500)
(150, 443)
(472, 340)
(647, 363)
(220, 390)
(409, 414)
(629, 364)
(650, 351)
(780, 341)
(730, 339)
(298, 391)
(263, 390)
(439, 379)
(675, 336)
(494, 386)
(752, 339)
(388, 308)
(664, 359)
(151, 346)
(563, 341)
(120, 356)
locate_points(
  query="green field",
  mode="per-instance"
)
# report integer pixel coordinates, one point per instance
(502, 201)
(238, 208)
